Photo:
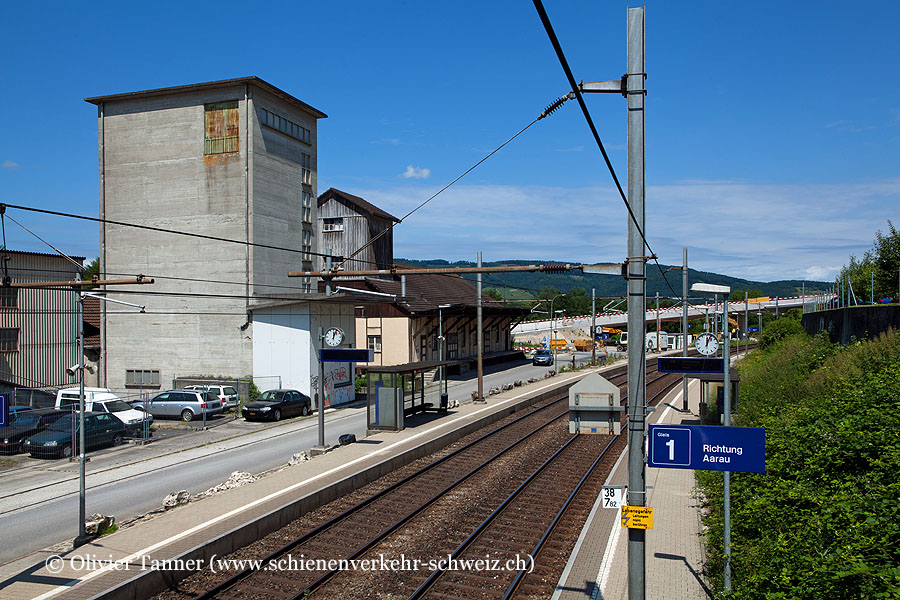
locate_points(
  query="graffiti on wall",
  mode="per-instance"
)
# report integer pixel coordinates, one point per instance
(339, 387)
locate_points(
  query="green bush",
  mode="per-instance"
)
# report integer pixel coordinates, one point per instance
(778, 330)
(361, 384)
(824, 520)
(253, 392)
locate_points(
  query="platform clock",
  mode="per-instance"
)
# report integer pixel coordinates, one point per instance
(706, 344)
(334, 336)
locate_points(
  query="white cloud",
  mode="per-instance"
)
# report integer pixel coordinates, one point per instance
(416, 173)
(10, 165)
(762, 232)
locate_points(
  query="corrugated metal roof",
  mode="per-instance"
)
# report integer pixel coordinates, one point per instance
(193, 87)
(27, 253)
(361, 204)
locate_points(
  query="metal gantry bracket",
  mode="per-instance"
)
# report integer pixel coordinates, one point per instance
(618, 86)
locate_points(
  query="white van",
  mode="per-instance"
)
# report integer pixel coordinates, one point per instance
(103, 401)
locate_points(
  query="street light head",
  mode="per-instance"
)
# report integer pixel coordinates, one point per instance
(710, 288)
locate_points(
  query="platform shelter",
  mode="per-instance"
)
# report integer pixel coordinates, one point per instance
(398, 391)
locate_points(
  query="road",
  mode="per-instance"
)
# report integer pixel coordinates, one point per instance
(41, 501)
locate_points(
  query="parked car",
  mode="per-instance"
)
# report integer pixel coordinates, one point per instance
(61, 437)
(226, 393)
(90, 394)
(274, 404)
(182, 404)
(27, 424)
(542, 356)
(107, 403)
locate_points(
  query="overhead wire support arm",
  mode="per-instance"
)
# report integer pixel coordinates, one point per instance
(139, 280)
(619, 86)
(600, 269)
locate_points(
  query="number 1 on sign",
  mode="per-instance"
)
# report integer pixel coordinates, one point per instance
(671, 445)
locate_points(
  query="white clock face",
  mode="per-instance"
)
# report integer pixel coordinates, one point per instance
(706, 344)
(334, 336)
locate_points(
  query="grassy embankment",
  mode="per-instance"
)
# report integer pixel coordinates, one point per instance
(824, 520)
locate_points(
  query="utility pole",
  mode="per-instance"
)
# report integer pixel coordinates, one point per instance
(79, 284)
(593, 326)
(480, 397)
(684, 325)
(746, 324)
(726, 397)
(82, 536)
(657, 322)
(637, 317)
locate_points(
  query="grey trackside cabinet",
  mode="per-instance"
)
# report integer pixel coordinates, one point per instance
(594, 406)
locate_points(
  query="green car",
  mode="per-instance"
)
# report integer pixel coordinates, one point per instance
(61, 438)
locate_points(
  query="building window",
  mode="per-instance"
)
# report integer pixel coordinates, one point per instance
(306, 244)
(9, 339)
(435, 344)
(9, 297)
(423, 347)
(305, 168)
(222, 120)
(333, 224)
(452, 346)
(142, 377)
(306, 209)
(285, 126)
(497, 336)
(375, 343)
(306, 286)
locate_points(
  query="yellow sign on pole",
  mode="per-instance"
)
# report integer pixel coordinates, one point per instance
(637, 517)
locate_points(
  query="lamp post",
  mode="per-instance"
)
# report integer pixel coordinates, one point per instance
(725, 290)
(553, 324)
(441, 342)
(553, 336)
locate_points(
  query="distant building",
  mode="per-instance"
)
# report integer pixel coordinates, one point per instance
(38, 326)
(349, 223)
(406, 329)
(231, 160)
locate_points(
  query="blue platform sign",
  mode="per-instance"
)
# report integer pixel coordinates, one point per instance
(708, 448)
(4, 411)
(753, 329)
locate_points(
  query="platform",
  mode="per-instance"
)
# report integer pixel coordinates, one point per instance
(598, 567)
(118, 565)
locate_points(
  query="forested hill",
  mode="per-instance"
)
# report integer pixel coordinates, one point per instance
(529, 284)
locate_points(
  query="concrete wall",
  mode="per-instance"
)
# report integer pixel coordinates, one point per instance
(846, 325)
(276, 190)
(156, 174)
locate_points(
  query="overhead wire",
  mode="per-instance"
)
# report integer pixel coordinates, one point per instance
(546, 112)
(554, 41)
(164, 230)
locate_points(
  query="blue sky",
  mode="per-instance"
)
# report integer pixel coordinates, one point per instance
(773, 128)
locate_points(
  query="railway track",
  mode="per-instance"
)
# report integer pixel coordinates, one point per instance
(529, 464)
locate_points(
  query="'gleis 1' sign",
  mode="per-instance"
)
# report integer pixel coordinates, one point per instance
(708, 448)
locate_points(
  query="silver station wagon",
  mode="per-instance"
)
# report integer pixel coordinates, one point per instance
(181, 404)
